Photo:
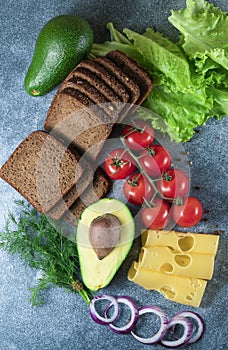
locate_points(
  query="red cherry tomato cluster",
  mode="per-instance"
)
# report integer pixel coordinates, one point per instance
(151, 181)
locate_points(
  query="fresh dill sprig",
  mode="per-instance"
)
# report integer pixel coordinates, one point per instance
(43, 247)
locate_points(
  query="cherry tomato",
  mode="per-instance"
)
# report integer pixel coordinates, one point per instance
(119, 164)
(174, 183)
(157, 217)
(189, 213)
(136, 188)
(155, 159)
(138, 136)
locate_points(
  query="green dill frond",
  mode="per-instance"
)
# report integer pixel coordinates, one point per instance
(42, 246)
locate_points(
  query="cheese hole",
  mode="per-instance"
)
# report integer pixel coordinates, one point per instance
(166, 268)
(195, 283)
(186, 243)
(182, 260)
(190, 297)
(169, 292)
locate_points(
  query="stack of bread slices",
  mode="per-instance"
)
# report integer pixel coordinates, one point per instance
(55, 169)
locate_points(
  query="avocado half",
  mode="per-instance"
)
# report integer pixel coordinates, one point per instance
(97, 273)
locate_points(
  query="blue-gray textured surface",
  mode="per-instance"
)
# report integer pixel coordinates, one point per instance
(64, 321)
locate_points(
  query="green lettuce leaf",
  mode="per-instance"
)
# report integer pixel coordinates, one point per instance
(107, 46)
(163, 55)
(220, 101)
(118, 41)
(181, 112)
(204, 30)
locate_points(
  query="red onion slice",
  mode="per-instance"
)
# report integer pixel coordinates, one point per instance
(188, 329)
(134, 315)
(179, 319)
(97, 317)
(200, 323)
(162, 330)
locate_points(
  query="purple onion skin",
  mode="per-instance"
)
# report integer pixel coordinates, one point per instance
(187, 338)
(201, 320)
(94, 317)
(136, 313)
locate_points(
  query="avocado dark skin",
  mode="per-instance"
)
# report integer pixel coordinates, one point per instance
(61, 44)
(104, 234)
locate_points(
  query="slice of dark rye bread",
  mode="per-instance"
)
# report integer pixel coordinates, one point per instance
(76, 124)
(94, 80)
(135, 71)
(42, 170)
(89, 98)
(107, 77)
(105, 107)
(131, 87)
(96, 190)
(86, 88)
(96, 89)
(74, 193)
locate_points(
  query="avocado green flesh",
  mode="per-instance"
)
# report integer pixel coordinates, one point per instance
(62, 43)
(97, 273)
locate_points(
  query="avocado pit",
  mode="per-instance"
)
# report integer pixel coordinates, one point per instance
(104, 234)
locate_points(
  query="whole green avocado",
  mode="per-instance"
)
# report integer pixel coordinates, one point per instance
(62, 43)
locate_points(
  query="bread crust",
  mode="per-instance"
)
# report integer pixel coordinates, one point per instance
(32, 167)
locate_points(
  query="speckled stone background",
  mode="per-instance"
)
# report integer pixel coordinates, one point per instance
(64, 321)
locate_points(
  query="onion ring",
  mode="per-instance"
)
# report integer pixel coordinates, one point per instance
(181, 318)
(134, 316)
(188, 329)
(162, 330)
(97, 317)
(200, 323)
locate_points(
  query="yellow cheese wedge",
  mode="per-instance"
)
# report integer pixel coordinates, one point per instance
(181, 241)
(184, 290)
(168, 261)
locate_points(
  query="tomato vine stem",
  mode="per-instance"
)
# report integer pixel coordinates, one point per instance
(143, 172)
